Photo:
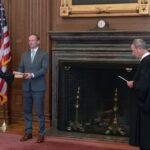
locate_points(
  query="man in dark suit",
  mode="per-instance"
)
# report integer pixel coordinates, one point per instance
(33, 65)
(140, 121)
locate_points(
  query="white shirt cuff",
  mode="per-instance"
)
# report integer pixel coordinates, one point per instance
(32, 75)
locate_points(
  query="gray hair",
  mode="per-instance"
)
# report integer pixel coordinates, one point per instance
(139, 43)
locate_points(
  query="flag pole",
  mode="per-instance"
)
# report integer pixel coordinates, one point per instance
(3, 127)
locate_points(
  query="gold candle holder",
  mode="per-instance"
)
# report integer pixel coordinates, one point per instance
(76, 125)
(114, 127)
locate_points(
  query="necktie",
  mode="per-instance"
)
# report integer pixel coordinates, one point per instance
(32, 55)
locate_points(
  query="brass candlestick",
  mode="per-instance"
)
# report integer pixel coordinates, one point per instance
(114, 127)
(76, 125)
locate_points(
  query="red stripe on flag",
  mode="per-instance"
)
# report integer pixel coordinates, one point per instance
(5, 34)
(6, 45)
(1, 42)
(2, 84)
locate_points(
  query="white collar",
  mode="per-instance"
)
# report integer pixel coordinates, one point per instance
(144, 55)
(34, 49)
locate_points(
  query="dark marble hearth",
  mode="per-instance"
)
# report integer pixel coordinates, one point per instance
(97, 137)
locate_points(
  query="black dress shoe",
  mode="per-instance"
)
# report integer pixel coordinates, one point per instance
(26, 137)
(40, 139)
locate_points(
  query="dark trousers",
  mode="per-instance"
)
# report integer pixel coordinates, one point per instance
(37, 99)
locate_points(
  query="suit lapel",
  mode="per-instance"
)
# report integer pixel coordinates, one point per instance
(28, 58)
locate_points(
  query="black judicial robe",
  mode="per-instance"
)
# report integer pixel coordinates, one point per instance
(140, 106)
(8, 77)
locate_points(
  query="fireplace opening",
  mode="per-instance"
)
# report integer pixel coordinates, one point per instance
(93, 99)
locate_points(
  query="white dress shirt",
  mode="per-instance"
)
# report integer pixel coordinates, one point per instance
(146, 54)
(32, 57)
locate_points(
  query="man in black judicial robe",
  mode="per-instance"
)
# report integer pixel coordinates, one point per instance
(140, 115)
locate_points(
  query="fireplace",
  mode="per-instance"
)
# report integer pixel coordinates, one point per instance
(88, 95)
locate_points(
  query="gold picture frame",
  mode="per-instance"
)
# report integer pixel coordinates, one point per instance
(140, 8)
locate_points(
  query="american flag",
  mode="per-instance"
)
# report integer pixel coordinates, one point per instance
(5, 53)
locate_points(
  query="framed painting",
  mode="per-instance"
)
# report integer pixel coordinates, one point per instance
(94, 8)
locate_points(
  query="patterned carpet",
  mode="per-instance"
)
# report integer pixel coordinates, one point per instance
(11, 142)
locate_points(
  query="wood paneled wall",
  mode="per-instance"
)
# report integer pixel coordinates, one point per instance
(40, 16)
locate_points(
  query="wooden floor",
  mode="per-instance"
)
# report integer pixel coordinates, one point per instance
(18, 128)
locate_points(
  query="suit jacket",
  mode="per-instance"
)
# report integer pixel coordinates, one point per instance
(140, 121)
(38, 67)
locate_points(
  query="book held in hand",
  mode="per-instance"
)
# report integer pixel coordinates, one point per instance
(123, 78)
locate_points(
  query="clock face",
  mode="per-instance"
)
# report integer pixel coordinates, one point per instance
(101, 24)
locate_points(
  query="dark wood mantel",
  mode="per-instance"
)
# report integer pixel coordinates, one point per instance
(105, 44)
(97, 46)
(98, 35)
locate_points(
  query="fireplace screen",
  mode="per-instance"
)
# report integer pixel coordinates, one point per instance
(93, 99)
